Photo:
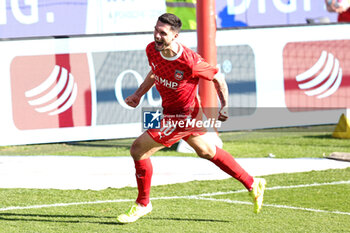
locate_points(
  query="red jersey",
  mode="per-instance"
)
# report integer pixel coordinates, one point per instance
(344, 17)
(176, 78)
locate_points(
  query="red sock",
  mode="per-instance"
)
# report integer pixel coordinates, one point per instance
(228, 164)
(144, 171)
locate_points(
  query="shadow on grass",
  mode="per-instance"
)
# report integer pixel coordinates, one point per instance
(114, 144)
(189, 219)
(322, 136)
(100, 144)
(53, 218)
(69, 218)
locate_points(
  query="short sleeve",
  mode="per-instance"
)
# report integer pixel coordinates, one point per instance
(202, 69)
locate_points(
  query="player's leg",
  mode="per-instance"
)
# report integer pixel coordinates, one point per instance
(220, 158)
(144, 146)
(141, 150)
(226, 162)
(203, 149)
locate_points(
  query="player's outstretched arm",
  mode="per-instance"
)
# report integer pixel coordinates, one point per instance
(134, 99)
(222, 90)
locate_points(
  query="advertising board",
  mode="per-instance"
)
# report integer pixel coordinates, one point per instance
(68, 89)
(34, 18)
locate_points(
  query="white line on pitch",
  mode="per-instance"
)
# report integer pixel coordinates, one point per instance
(277, 187)
(272, 205)
(198, 197)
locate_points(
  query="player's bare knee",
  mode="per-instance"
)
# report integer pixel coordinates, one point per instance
(205, 154)
(135, 151)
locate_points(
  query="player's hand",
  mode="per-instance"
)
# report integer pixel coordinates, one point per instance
(132, 100)
(334, 7)
(223, 114)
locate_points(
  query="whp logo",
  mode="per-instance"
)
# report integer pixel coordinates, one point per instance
(323, 78)
(151, 119)
(42, 94)
(316, 74)
(51, 91)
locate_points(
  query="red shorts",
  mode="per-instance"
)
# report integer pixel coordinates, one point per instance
(172, 131)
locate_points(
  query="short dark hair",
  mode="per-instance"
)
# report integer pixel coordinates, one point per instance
(172, 20)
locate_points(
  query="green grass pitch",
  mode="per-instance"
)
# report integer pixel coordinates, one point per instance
(316, 201)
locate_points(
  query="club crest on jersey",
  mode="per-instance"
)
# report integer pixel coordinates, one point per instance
(179, 75)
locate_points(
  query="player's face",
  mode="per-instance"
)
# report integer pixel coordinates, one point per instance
(163, 36)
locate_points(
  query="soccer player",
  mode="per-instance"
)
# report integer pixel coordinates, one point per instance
(175, 71)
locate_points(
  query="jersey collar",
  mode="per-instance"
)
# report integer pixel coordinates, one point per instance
(174, 57)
